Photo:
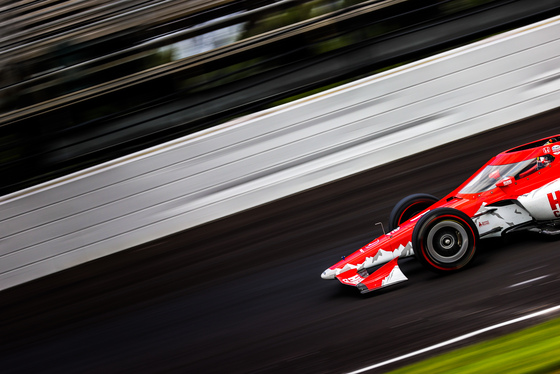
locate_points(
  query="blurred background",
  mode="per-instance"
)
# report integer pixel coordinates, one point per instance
(86, 81)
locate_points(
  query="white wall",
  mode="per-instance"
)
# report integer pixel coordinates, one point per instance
(274, 153)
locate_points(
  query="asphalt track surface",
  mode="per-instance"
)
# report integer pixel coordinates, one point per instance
(244, 294)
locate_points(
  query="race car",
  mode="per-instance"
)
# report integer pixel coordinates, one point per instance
(517, 190)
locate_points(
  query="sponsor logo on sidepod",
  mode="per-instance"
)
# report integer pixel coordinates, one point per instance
(554, 200)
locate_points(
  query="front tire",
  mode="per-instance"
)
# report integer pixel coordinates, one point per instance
(445, 240)
(409, 207)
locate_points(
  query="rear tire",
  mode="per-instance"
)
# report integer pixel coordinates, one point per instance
(409, 207)
(445, 240)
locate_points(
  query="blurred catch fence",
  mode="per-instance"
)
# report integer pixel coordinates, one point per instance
(123, 86)
(273, 153)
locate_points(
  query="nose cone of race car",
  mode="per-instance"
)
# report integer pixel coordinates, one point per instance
(328, 274)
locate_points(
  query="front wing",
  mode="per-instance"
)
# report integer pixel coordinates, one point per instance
(386, 275)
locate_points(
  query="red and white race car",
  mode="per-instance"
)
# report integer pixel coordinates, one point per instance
(517, 190)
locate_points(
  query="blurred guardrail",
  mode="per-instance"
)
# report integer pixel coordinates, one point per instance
(69, 132)
(274, 153)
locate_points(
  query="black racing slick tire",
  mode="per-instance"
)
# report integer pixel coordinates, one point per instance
(445, 240)
(409, 207)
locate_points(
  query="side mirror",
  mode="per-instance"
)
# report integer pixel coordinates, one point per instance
(505, 182)
(382, 228)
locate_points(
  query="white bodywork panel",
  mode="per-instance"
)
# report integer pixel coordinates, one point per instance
(544, 202)
(492, 221)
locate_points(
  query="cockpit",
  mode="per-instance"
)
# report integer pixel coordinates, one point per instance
(490, 175)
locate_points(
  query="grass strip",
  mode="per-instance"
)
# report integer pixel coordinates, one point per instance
(533, 350)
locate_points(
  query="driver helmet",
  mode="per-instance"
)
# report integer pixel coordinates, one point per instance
(543, 161)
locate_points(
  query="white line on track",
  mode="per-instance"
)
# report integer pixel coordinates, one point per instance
(457, 339)
(527, 281)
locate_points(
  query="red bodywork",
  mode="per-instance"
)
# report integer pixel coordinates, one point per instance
(397, 243)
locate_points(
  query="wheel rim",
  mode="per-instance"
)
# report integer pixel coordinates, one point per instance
(447, 242)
